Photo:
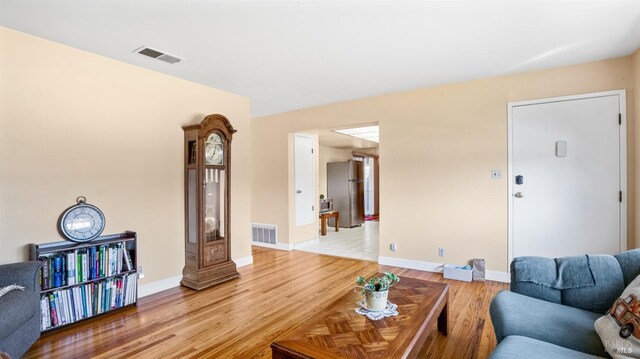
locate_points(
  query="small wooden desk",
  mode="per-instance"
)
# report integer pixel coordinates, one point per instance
(339, 332)
(324, 216)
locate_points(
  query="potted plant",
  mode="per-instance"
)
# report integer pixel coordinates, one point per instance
(376, 289)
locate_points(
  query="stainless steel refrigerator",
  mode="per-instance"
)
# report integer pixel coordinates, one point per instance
(345, 185)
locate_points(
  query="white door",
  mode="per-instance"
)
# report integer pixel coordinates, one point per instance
(567, 169)
(303, 178)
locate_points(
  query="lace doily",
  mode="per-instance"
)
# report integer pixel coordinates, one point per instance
(389, 311)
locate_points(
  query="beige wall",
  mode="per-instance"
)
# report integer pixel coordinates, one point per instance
(329, 154)
(437, 148)
(74, 123)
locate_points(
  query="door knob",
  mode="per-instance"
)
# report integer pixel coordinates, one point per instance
(298, 191)
(518, 195)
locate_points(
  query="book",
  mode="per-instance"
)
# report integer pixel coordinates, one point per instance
(127, 260)
(100, 262)
(85, 266)
(90, 304)
(63, 258)
(79, 302)
(61, 311)
(68, 310)
(57, 267)
(71, 305)
(83, 293)
(92, 263)
(54, 311)
(44, 310)
(119, 260)
(119, 300)
(44, 282)
(51, 272)
(114, 293)
(112, 260)
(70, 261)
(94, 298)
(79, 271)
(99, 298)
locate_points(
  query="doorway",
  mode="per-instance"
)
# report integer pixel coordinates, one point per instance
(353, 238)
(567, 175)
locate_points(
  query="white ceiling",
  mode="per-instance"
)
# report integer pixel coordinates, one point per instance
(287, 55)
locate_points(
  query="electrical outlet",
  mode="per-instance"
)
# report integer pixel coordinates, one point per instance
(440, 252)
(393, 247)
(140, 272)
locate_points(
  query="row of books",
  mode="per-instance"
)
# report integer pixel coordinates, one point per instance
(81, 265)
(66, 306)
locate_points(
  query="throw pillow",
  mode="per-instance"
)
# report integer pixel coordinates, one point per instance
(619, 329)
(9, 288)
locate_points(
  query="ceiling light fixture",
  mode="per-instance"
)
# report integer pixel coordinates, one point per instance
(157, 54)
(369, 133)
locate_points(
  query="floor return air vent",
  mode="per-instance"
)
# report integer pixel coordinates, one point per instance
(264, 233)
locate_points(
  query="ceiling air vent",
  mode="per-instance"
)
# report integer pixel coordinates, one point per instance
(158, 55)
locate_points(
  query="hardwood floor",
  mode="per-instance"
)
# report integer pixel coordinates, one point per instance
(240, 319)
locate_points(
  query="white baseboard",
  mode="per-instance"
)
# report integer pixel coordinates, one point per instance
(411, 264)
(493, 275)
(278, 246)
(244, 261)
(168, 283)
(497, 276)
(158, 286)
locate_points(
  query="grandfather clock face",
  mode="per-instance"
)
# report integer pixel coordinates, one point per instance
(214, 150)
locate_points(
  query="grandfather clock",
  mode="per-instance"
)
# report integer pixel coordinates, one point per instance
(207, 175)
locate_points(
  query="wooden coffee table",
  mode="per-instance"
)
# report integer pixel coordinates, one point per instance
(339, 332)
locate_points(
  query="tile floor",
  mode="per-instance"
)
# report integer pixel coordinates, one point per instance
(358, 242)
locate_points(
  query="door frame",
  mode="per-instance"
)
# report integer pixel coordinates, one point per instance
(622, 103)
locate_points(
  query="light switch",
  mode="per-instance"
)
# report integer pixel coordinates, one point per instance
(496, 174)
(561, 148)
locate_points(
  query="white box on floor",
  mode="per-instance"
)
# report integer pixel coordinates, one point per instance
(452, 271)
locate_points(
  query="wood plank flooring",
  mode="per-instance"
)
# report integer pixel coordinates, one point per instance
(240, 319)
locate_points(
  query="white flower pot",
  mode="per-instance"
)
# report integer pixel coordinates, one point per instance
(377, 300)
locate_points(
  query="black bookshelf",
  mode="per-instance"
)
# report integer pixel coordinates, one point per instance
(80, 281)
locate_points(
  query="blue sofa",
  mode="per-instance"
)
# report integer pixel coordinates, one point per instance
(19, 310)
(552, 305)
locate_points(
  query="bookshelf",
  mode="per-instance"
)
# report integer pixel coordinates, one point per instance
(84, 280)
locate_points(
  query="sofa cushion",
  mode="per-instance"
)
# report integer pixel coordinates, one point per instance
(619, 329)
(630, 263)
(572, 328)
(521, 281)
(17, 307)
(548, 279)
(517, 347)
(609, 284)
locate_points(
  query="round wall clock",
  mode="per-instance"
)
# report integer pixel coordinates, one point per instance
(81, 222)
